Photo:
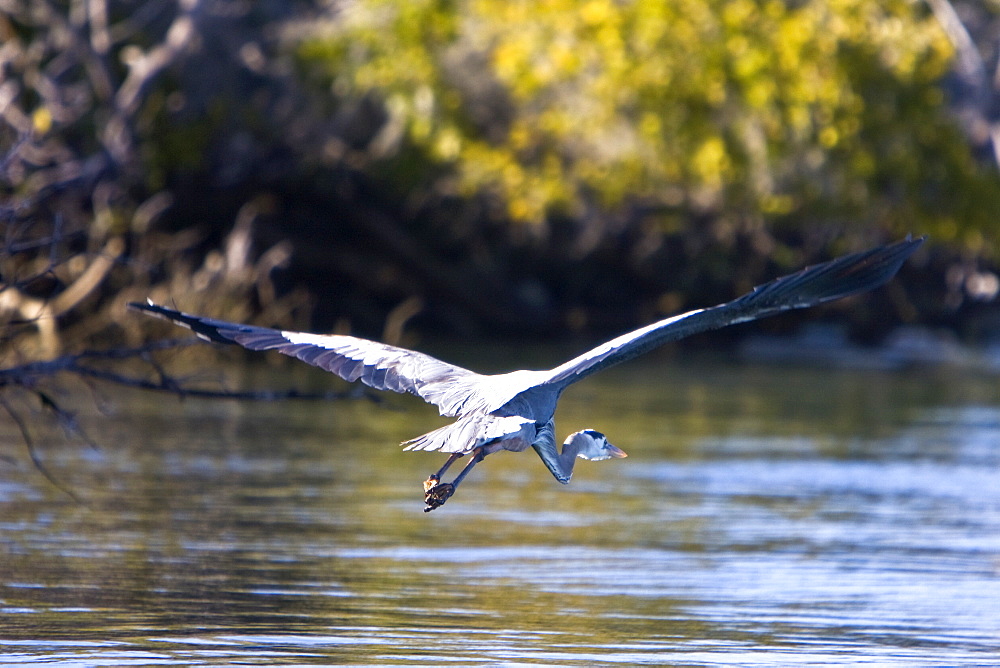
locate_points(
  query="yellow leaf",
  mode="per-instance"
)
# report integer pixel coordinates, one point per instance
(41, 120)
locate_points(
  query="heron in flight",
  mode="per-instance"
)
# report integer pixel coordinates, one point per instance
(514, 411)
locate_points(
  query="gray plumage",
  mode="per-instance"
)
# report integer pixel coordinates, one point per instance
(513, 411)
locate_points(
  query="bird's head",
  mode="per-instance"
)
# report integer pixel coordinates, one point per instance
(592, 445)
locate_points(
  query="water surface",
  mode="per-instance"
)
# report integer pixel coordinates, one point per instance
(764, 516)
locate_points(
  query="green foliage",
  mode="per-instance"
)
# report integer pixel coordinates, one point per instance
(826, 108)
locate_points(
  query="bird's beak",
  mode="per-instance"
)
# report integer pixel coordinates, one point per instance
(616, 452)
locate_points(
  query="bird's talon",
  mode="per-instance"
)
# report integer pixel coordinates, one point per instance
(437, 495)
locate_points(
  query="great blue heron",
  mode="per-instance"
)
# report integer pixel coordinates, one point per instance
(514, 411)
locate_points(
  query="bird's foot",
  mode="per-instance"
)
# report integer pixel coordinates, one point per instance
(437, 495)
(431, 482)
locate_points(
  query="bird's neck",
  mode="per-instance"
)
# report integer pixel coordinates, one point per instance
(560, 464)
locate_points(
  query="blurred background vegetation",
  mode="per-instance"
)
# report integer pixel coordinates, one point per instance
(486, 169)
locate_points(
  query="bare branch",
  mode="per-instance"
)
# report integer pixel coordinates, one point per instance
(33, 452)
(30, 378)
(43, 312)
(983, 125)
(28, 375)
(970, 63)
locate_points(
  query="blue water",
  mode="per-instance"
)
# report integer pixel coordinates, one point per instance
(765, 516)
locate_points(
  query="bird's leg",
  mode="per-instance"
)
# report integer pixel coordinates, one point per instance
(434, 478)
(438, 494)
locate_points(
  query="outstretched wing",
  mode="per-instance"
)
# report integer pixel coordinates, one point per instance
(377, 365)
(825, 282)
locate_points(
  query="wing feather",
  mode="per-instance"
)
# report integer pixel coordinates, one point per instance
(842, 277)
(457, 391)
(377, 365)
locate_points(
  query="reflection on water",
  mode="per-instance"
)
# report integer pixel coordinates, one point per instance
(765, 516)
